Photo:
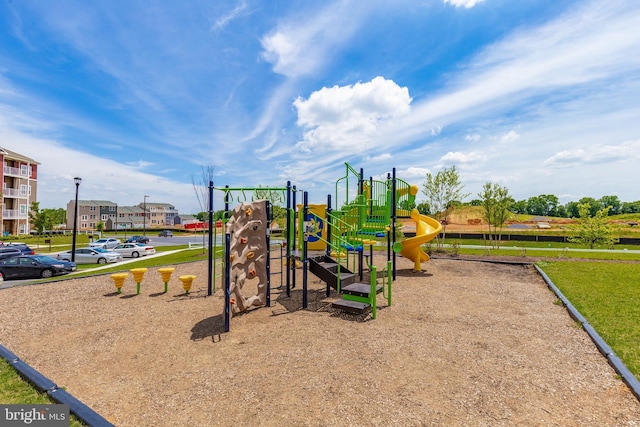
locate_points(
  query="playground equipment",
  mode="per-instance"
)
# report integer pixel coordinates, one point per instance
(367, 217)
(118, 280)
(166, 273)
(248, 255)
(138, 275)
(427, 229)
(338, 238)
(187, 281)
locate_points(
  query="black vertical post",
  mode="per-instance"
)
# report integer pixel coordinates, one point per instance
(210, 253)
(305, 261)
(392, 231)
(295, 220)
(328, 225)
(288, 251)
(293, 244)
(373, 237)
(363, 221)
(226, 202)
(393, 218)
(77, 181)
(227, 281)
(268, 240)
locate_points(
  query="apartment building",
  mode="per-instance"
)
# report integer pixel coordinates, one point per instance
(161, 214)
(19, 191)
(90, 213)
(115, 217)
(129, 218)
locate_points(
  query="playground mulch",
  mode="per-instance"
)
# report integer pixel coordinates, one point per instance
(464, 343)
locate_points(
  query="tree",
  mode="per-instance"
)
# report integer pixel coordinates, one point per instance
(630, 207)
(519, 207)
(424, 209)
(592, 230)
(442, 190)
(100, 226)
(496, 202)
(594, 205)
(571, 209)
(613, 202)
(406, 205)
(542, 205)
(275, 197)
(202, 191)
(37, 217)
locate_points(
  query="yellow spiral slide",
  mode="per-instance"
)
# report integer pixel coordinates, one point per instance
(427, 229)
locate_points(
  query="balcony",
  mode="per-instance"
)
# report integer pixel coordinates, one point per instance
(13, 214)
(14, 193)
(8, 170)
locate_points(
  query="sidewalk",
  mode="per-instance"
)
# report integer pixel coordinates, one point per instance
(127, 261)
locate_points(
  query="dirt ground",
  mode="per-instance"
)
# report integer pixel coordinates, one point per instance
(464, 343)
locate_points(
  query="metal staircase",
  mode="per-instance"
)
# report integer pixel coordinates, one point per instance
(356, 297)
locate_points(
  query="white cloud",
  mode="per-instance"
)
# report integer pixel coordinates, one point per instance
(596, 154)
(509, 137)
(140, 164)
(475, 137)
(554, 60)
(302, 46)
(412, 173)
(463, 3)
(347, 117)
(381, 157)
(222, 21)
(464, 158)
(102, 178)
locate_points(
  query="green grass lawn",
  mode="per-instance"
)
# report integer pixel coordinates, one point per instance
(14, 389)
(608, 296)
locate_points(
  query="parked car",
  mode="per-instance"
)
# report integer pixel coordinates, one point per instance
(91, 256)
(165, 233)
(107, 243)
(134, 250)
(148, 249)
(137, 239)
(33, 266)
(8, 251)
(22, 247)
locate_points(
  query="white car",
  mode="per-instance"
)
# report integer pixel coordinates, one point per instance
(91, 256)
(134, 250)
(107, 243)
(148, 249)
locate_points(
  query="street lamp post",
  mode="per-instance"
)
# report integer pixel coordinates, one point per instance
(144, 220)
(77, 181)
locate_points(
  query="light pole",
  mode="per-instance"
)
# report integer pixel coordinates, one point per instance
(144, 220)
(77, 181)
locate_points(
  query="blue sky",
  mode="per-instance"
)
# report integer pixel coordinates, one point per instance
(135, 97)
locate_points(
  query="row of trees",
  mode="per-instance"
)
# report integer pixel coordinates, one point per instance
(444, 190)
(548, 205)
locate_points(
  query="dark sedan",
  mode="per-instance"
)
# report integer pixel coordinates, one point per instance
(34, 266)
(137, 239)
